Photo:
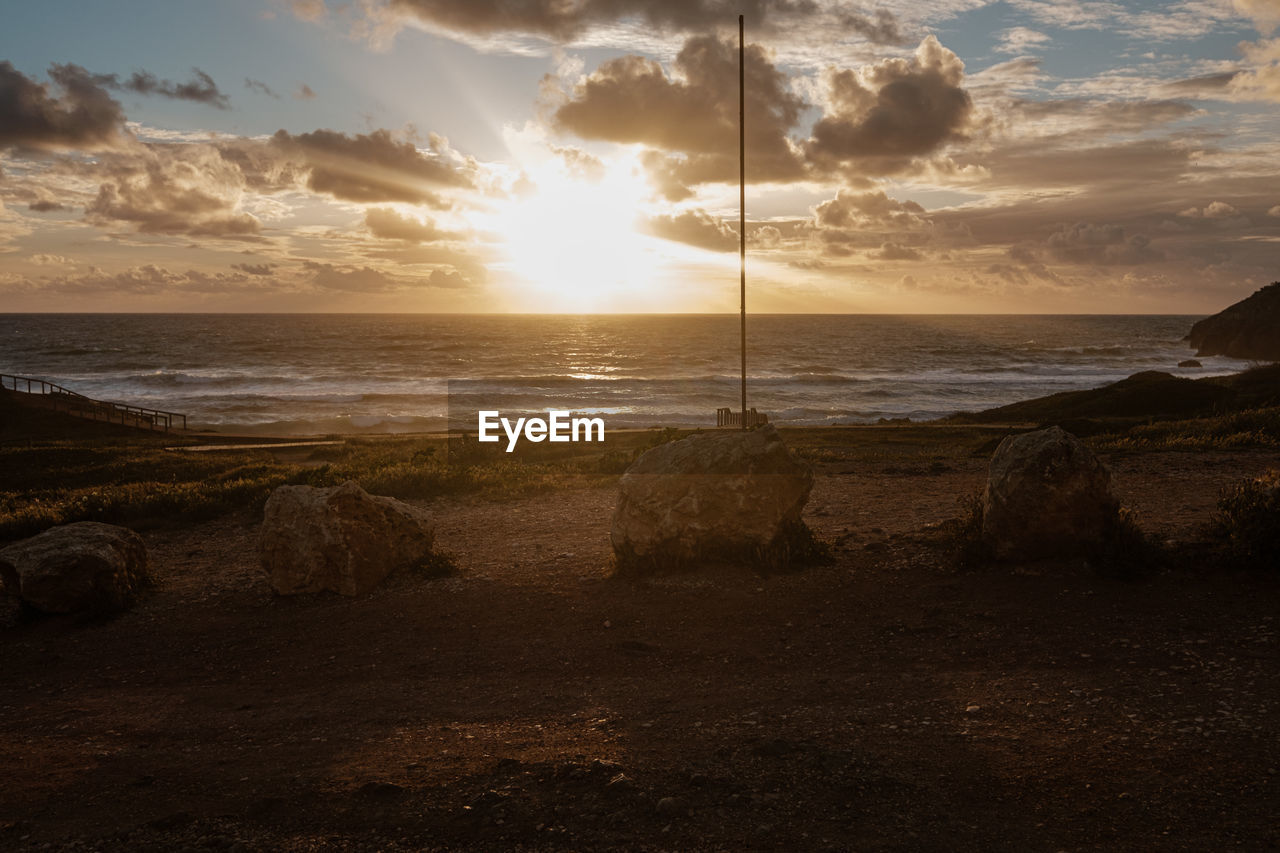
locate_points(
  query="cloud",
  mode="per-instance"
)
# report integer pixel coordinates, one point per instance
(376, 167)
(358, 279)
(255, 269)
(449, 279)
(850, 210)
(1261, 81)
(1020, 39)
(693, 113)
(896, 252)
(1097, 167)
(695, 228)
(77, 114)
(1213, 210)
(566, 21)
(879, 118)
(764, 237)
(1275, 211)
(867, 220)
(259, 87)
(45, 205)
(44, 259)
(579, 163)
(142, 280)
(1217, 213)
(1085, 243)
(1089, 118)
(1205, 85)
(309, 10)
(1265, 14)
(201, 89)
(389, 225)
(174, 189)
(304, 92)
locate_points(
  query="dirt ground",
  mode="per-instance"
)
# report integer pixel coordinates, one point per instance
(883, 702)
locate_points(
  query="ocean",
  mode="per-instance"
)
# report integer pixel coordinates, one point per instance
(272, 373)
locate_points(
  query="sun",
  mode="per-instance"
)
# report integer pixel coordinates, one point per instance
(571, 244)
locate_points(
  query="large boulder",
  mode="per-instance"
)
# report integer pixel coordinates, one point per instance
(716, 493)
(1047, 495)
(83, 567)
(1249, 329)
(339, 539)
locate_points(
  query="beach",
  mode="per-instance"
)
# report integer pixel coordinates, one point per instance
(531, 699)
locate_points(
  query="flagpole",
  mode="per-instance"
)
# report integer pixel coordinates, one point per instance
(742, 213)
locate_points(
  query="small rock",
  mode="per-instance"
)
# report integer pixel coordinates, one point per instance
(973, 709)
(383, 791)
(670, 807)
(341, 539)
(712, 493)
(1047, 495)
(83, 567)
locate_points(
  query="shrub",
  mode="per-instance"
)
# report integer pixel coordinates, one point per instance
(1248, 520)
(969, 550)
(1125, 552)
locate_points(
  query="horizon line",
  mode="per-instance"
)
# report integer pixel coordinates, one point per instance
(597, 314)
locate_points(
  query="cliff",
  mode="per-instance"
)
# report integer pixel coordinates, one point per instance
(1249, 329)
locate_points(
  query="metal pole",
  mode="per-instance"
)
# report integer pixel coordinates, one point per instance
(742, 211)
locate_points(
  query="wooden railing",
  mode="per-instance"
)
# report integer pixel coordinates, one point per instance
(65, 400)
(732, 418)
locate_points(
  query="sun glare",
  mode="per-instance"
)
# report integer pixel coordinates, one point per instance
(571, 244)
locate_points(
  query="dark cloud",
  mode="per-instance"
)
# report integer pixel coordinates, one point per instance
(144, 280)
(201, 89)
(1086, 243)
(880, 118)
(78, 114)
(692, 115)
(46, 206)
(1135, 165)
(873, 221)
(375, 167)
(255, 269)
(563, 21)
(694, 227)
(1206, 85)
(259, 87)
(389, 225)
(878, 28)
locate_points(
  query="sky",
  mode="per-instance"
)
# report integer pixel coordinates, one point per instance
(948, 156)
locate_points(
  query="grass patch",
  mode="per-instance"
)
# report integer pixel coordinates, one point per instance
(136, 482)
(1247, 523)
(1249, 428)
